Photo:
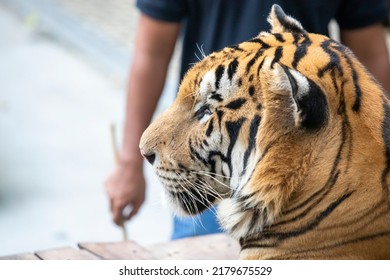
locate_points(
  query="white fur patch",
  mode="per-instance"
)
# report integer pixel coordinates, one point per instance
(303, 89)
(207, 84)
(250, 168)
(230, 215)
(239, 222)
(302, 82)
(225, 85)
(237, 160)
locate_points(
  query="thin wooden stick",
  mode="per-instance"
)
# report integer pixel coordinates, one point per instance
(115, 150)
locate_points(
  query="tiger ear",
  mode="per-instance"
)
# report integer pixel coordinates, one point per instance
(280, 22)
(311, 108)
(303, 99)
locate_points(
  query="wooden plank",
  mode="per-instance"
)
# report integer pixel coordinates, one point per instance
(66, 253)
(207, 247)
(127, 250)
(25, 256)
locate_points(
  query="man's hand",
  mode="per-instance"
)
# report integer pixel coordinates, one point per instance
(125, 187)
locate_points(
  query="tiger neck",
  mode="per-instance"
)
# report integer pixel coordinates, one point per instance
(332, 210)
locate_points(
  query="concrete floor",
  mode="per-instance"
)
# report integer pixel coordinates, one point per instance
(55, 152)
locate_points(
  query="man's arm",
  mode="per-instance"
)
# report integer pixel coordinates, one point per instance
(369, 45)
(155, 43)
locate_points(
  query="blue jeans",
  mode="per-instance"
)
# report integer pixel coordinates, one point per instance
(204, 223)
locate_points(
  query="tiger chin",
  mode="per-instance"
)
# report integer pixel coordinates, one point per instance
(290, 136)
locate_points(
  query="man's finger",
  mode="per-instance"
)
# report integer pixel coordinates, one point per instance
(133, 211)
(117, 214)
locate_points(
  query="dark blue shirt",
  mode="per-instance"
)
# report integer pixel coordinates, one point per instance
(214, 24)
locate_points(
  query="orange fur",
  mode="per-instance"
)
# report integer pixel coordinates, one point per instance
(315, 184)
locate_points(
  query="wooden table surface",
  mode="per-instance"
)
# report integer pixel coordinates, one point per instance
(208, 247)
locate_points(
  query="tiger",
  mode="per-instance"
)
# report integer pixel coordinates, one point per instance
(287, 136)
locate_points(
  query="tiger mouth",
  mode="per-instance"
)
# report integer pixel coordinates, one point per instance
(188, 196)
(191, 194)
(192, 201)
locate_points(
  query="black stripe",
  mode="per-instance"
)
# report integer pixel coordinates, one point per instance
(255, 218)
(279, 37)
(216, 96)
(340, 91)
(278, 236)
(236, 48)
(363, 218)
(278, 55)
(212, 162)
(305, 253)
(217, 153)
(360, 239)
(296, 37)
(301, 51)
(358, 100)
(196, 80)
(334, 62)
(236, 104)
(232, 68)
(259, 41)
(355, 78)
(347, 130)
(167, 178)
(386, 140)
(210, 128)
(195, 154)
(260, 66)
(233, 129)
(254, 127)
(253, 60)
(181, 166)
(251, 90)
(218, 75)
(219, 115)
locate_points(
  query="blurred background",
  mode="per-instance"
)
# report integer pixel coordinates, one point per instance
(63, 67)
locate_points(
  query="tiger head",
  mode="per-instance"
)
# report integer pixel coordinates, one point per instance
(281, 131)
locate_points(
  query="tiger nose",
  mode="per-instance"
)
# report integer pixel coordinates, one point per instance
(149, 157)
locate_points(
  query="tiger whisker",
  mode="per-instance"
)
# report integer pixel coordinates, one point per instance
(201, 195)
(193, 185)
(201, 51)
(190, 194)
(210, 189)
(195, 218)
(213, 174)
(215, 179)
